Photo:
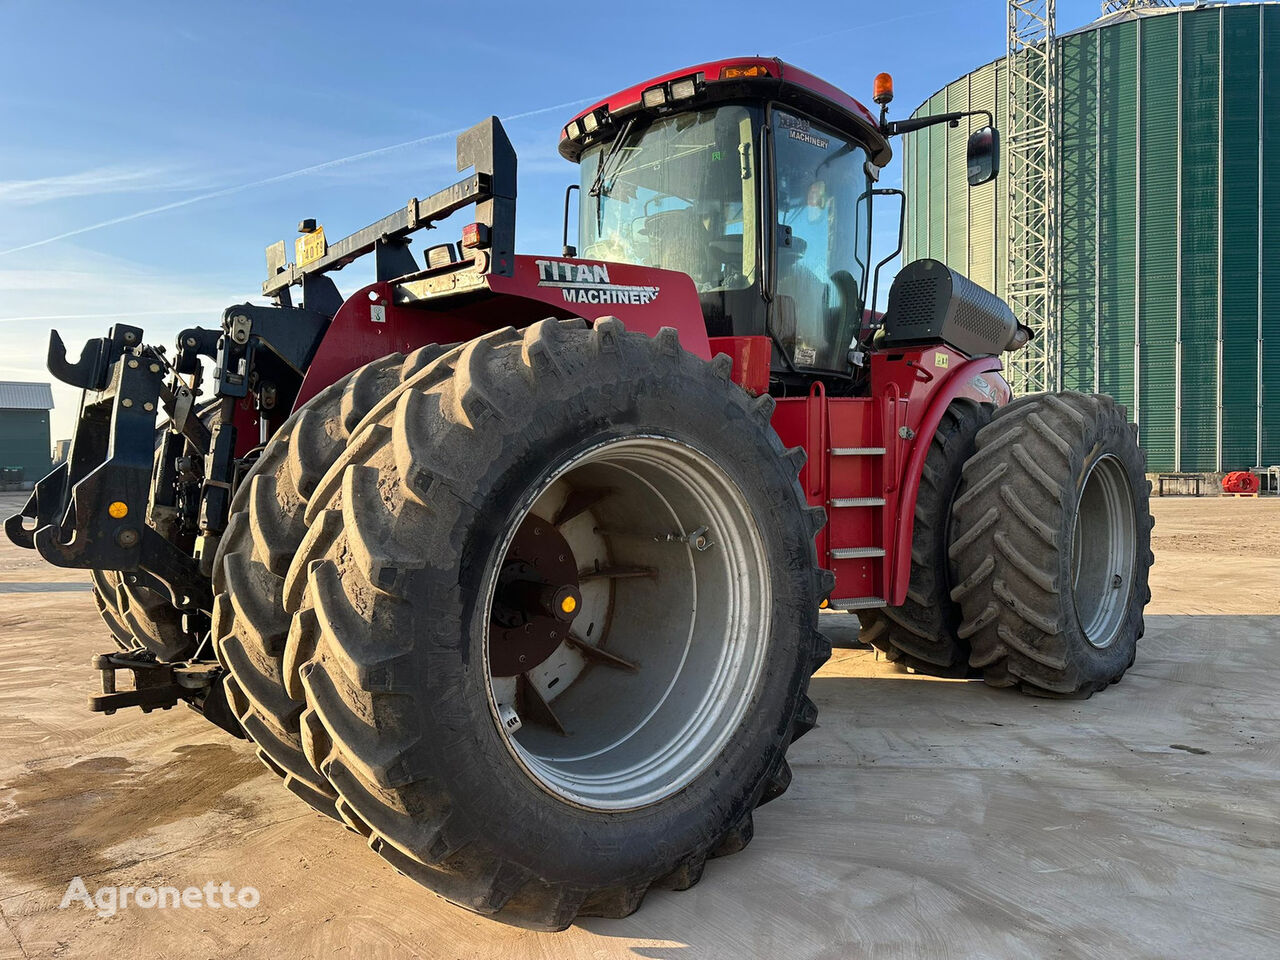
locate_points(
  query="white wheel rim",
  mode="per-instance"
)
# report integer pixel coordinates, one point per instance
(1103, 550)
(697, 629)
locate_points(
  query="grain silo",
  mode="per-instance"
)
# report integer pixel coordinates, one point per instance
(1168, 184)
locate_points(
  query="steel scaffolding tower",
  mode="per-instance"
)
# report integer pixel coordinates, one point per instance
(1032, 99)
(1129, 6)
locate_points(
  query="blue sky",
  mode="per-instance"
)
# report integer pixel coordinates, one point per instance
(109, 111)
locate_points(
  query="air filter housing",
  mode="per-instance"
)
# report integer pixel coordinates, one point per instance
(930, 302)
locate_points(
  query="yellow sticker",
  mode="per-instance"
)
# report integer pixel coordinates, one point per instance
(940, 359)
(310, 247)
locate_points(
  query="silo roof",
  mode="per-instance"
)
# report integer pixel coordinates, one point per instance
(1106, 20)
(19, 395)
(1142, 13)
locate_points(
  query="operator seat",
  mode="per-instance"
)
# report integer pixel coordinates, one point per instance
(679, 241)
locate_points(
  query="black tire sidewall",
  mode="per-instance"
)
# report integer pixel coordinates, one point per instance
(502, 806)
(971, 417)
(1108, 435)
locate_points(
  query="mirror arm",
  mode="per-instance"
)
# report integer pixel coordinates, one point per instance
(897, 127)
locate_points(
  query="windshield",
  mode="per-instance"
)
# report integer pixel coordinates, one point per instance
(679, 194)
(823, 243)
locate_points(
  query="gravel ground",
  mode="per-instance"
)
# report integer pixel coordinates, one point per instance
(927, 818)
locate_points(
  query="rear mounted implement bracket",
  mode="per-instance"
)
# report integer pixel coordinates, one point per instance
(91, 511)
(92, 370)
(44, 507)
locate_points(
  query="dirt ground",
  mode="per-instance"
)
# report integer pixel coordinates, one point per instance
(927, 818)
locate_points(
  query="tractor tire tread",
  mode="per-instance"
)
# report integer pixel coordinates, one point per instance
(362, 727)
(265, 531)
(1011, 536)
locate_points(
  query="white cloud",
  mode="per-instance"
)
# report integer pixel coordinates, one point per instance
(89, 183)
(326, 167)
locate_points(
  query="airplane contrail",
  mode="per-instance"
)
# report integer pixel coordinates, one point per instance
(278, 178)
(111, 316)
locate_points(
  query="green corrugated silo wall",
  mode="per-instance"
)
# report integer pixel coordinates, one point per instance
(1269, 249)
(1169, 223)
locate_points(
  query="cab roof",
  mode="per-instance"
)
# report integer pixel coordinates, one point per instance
(735, 78)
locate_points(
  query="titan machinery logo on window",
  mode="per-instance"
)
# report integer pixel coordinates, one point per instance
(798, 129)
(590, 283)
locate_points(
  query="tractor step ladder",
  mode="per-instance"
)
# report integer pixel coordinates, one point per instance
(857, 603)
(852, 503)
(856, 553)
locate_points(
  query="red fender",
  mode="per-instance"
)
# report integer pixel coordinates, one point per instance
(912, 374)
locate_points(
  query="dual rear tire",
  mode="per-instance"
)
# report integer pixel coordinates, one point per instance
(140, 617)
(1031, 549)
(266, 526)
(529, 763)
(1051, 545)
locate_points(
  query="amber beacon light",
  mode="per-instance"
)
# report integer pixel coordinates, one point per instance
(883, 89)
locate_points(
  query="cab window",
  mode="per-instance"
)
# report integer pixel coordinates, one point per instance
(679, 194)
(822, 241)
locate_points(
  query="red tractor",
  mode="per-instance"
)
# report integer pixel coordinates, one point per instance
(513, 564)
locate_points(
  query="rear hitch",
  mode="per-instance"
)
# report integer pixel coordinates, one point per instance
(92, 370)
(155, 684)
(162, 685)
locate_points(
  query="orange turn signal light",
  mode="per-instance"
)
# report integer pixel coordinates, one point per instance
(569, 604)
(883, 88)
(475, 235)
(118, 510)
(740, 71)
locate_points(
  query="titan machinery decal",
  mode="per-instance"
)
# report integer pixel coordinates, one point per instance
(590, 283)
(798, 129)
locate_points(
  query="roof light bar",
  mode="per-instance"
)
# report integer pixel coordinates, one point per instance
(654, 97)
(684, 89)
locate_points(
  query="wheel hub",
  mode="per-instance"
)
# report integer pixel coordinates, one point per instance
(536, 599)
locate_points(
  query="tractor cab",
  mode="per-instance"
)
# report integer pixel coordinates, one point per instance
(753, 178)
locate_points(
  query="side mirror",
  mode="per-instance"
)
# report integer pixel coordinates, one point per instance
(983, 156)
